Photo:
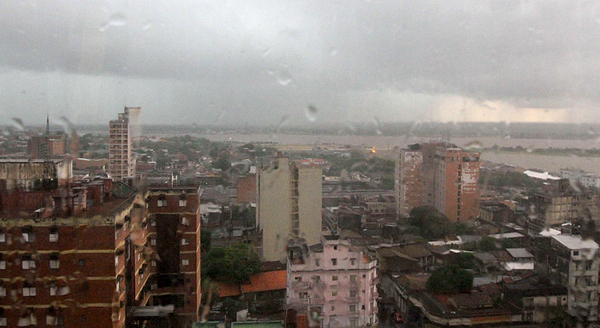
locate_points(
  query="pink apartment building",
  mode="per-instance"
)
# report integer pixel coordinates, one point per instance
(333, 282)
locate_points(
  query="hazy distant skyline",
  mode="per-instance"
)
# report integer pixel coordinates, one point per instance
(264, 62)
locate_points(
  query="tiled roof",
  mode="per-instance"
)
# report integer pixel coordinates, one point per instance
(265, 281)
(227, 290)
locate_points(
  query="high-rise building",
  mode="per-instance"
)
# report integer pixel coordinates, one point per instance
(75, 254)
(289, 205)
(121, 164)
(440, 175)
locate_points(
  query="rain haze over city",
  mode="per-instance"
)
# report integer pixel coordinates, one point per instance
(295, 164)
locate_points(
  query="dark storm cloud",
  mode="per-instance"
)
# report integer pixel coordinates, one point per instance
(263, 60)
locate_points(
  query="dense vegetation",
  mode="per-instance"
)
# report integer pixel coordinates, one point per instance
(232, 264)
(450, 280)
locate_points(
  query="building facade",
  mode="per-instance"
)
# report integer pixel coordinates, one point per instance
(121, 164)
(440, 175)
(334, 279)
(74, 254)
(288, 206)
(573, 262)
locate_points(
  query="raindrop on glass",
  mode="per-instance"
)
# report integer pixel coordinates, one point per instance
(115, 20)
(311, 112)
(17, 123)
(376, 122)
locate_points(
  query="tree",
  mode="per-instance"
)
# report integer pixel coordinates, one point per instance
(205, 236)
(465, 260)
(232, 264)
(431, 223)
(487, 244)
(450, 280)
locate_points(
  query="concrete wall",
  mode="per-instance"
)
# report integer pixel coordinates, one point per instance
(310, 203)
(274, 209)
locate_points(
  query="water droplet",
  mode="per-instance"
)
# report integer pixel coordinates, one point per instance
(282, 121)
(311, 112)
(67, 126)
(115, 20)
(220, 117)
(266, 52)
(283, 75)
(147, 25)
(474, 146)
(376, 122)
(17, 123)
(351, 127)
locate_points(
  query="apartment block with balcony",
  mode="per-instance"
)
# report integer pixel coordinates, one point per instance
(335, 279)
(440, 175)
(573, 262)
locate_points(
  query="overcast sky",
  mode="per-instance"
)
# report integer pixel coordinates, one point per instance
(243, 61)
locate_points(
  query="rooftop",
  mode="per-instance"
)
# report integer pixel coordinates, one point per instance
(518, 252)
(575, 242)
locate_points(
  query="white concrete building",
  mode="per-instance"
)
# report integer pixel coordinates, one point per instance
(121, 164)
(288, 206)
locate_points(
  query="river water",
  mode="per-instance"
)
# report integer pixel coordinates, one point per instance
(543, 162)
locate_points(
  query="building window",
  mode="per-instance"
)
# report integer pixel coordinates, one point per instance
(334, 293)
(54, 262)
(353, 278)
(335, 247)
(317, 263)
(153, 241)
(334, 278)
(353, 322)
(29, 291)
(352, 308)
(185, 241)
(332, 308)
(303, 295)
(334, 261)
(352, 261)
(185, 221)
(575, 253)
(81, 262)
(139, 257)
(161, 203)
(153, 263)
(2, 291)
(317, 278)
(2, 321)
(589, 265)
(153, 223)
(27, 233)
(185, 262)
(182, 203)
(2, 237)
(353, 293)
(53, 237)
(27, 262)
(298, 278)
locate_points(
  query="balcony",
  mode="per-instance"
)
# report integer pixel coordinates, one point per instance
(300, 285)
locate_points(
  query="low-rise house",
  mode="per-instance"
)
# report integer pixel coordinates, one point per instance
(536, 299)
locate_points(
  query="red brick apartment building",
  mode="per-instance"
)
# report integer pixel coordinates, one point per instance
(440, 175)
(79, 256)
